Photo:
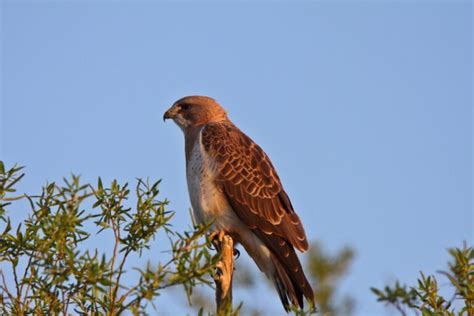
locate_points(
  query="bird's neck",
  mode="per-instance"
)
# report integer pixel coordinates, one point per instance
(191, 136)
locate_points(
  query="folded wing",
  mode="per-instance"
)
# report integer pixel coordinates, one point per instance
(247, 177)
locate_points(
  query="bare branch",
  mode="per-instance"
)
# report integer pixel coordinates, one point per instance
(223, 276)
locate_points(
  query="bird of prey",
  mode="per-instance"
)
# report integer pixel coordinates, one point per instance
(232, 182)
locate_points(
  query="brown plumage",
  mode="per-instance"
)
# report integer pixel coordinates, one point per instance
(238, 186)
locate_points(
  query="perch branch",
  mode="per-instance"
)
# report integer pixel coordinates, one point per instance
(224, 274)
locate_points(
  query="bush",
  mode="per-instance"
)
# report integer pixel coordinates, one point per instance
(424, 298)
(53, 272)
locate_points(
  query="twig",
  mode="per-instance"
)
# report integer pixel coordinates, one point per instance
(117, 284)
(4, 287)
(29, 281)
(18, 295)
(116, 231)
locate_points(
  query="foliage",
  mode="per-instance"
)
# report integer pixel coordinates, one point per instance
(53, 272)
(425, 298)
(325, 272)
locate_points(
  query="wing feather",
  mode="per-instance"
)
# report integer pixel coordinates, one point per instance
(247, 176)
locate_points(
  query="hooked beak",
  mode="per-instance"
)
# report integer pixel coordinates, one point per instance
(171, 113)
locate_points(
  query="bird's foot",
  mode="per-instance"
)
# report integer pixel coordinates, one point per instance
(236, 253)
(216, 238)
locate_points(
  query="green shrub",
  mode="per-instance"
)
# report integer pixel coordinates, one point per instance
(52, 272)
(424, 298)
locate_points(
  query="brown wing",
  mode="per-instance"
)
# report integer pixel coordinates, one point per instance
(249, 179)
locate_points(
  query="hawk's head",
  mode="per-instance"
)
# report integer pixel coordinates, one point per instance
(194, 111)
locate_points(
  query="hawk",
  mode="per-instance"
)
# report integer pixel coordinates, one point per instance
(232, 182)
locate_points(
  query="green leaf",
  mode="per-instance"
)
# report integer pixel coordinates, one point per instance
(377, 291)
(99, 184)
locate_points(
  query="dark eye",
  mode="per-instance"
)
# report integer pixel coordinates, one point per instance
(185, 106)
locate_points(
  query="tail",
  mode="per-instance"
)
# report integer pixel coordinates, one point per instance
(289, 278)
(291, 286)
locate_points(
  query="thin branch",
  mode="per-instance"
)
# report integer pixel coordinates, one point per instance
(117, 284)
(116, 231)
(4, 287)
(27, 300)
(18, 297)
(30, 259)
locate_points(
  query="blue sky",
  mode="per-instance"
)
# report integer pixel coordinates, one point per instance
(364, 107)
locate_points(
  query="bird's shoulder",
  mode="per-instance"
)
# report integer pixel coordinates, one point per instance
(216, 134)
(240, 160)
